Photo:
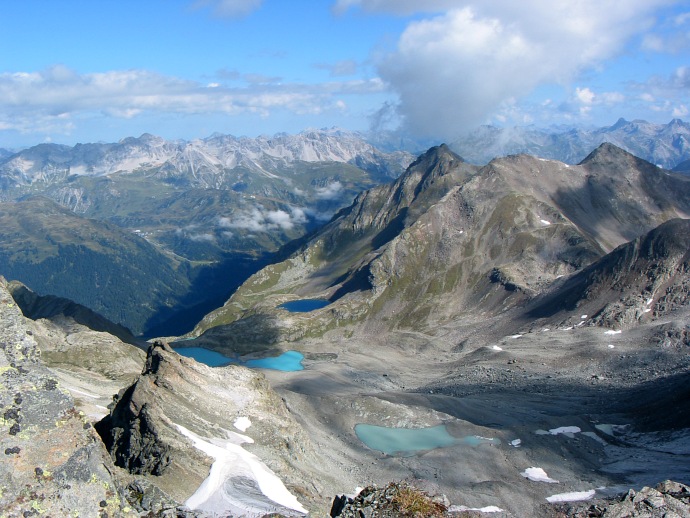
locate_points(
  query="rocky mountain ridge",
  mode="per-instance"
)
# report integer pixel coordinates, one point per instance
(448, 237)
(666, 145)
(201, 163)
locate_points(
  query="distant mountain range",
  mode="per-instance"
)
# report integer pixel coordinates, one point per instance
(665, 145)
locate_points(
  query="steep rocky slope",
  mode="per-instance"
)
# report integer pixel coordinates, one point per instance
(56, 252)
(449, 239)
(645, 279)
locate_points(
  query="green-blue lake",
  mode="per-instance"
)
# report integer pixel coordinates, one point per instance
(406, 442)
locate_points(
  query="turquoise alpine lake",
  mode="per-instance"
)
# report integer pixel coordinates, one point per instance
(405, 442)
(304, 305)
(206, 356)
(288, 361)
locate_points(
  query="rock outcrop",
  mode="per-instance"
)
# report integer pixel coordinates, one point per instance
(54, 463)
(668, 499)
(179, 417)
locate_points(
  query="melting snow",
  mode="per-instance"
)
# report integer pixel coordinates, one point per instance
(572, 497)
(568, 431)
(516, 443)
(233, 461)
(565, 429)
(242, 423)
(538, 475)
(487, 509)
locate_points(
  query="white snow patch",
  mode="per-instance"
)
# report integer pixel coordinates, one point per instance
(81, 392)
(649, 302)
(646, 310)
(496, 348)
(487, 509)
(545, 330)
(232, 461)
(594, 436)
(610, 346)
(583, 317)
(516, 443)
(545, 222)
(575, 496)
(515, 336)
(538, 475)
(565, 430)
(566, 328)
(611, 429)
(612, 332)
(242, 423)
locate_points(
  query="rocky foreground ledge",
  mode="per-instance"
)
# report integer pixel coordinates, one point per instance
(667, 500)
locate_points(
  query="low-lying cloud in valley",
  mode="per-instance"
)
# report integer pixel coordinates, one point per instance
(258, 219)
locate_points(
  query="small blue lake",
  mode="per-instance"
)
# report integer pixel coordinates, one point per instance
(288, 361)
(406, 442)
(304, 305)
(210, 358)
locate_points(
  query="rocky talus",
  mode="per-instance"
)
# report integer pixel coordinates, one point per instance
(54, 463)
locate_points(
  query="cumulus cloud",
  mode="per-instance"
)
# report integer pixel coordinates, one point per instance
(230, 8)
(52, 99)
(258, 219)
(584, 99)
(452, 70)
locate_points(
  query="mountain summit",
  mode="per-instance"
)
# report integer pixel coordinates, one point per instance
(449, 239)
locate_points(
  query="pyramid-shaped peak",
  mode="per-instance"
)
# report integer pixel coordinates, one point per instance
(436, 154)
(606, 152)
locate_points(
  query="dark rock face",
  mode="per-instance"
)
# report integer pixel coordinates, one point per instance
(130, 431)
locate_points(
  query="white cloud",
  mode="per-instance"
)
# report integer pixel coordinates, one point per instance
(584, 95)
(53, 99)
(453, 70)
(258, 219)
(332, 191)
(680, 111)
(396, 6)
(230, 8)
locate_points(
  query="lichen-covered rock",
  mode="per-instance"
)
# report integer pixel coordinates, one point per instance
(54, 463)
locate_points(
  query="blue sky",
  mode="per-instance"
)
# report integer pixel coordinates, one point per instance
(85, 71)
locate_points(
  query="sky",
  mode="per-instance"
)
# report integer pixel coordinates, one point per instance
(98, 71)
